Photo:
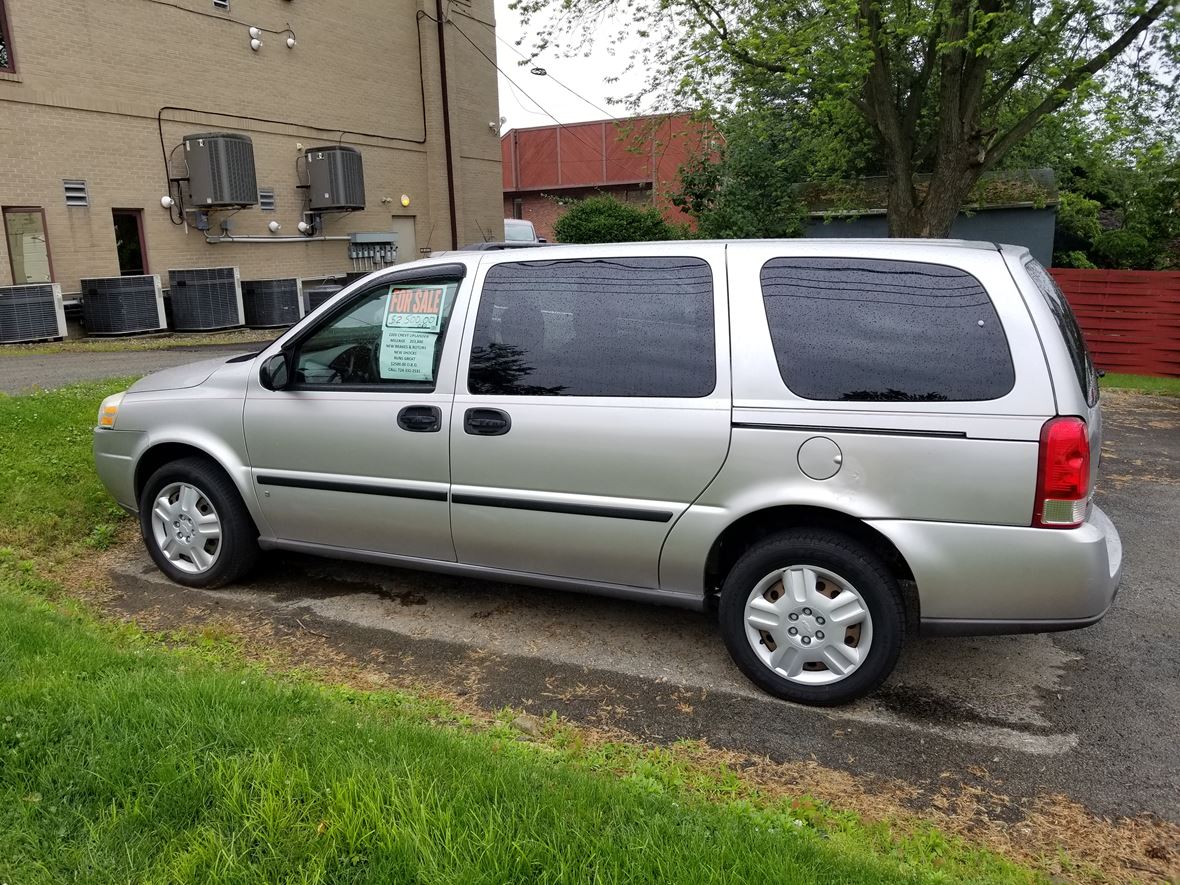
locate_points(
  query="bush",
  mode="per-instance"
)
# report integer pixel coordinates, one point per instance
(606, 220)
(1124, 250)
(1073, 259)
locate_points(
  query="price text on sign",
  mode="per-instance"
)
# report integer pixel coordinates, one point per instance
(419, 309)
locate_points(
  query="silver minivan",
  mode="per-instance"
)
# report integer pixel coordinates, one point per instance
(835, 443)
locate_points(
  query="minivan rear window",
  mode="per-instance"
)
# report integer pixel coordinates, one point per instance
(876, 330)
(1079, 354)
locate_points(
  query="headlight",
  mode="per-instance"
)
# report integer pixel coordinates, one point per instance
(109, 410)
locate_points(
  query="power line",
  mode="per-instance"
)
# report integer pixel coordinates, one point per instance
(596, 107)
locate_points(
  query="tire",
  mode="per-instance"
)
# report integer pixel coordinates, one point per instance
(177, 525)
(824, 579)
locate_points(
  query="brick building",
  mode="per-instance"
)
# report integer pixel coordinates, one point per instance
(96, 100)
(636, 160)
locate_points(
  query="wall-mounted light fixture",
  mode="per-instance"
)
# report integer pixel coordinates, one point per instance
(405, 200)
(167, 202)
(274, 227)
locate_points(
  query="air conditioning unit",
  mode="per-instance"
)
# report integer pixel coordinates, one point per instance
(31, 313)
(206, 298)
(220, 170)
(272, 303)
(123, 305)
(336, 178)
(318, 295)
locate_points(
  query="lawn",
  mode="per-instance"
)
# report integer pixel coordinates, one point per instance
(1141, 383)
(153, 342)
(131, 757)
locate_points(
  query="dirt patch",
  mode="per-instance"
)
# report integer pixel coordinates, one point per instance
(1050, 833)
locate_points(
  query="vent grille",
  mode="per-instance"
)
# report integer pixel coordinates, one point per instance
(31, 313)
(123, 305)
(317, 295)
(205, 298)
(221, 4)
(76, 194)
(266, 199)
(272, 303)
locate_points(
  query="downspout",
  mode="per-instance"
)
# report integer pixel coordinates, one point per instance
(446, 112)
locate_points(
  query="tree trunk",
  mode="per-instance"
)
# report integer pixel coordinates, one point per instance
(933, 214)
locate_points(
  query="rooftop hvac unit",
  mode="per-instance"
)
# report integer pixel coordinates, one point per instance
(31, 313)
(123, 305)
(206, 298)
(272, 303)
(336, 178)
(220, 170)
(318, 295)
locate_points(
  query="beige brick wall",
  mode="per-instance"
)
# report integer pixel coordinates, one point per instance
(92, 77)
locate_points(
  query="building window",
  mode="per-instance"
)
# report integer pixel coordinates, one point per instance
(518, 208)
(76, 194)
(266, 199)
(7, 59)
(28, 245)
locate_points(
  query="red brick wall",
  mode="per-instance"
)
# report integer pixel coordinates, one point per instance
(543, 209)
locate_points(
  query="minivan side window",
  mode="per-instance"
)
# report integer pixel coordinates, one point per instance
(1079, 354)
(595, 327)
(876, 330)
(389, 337)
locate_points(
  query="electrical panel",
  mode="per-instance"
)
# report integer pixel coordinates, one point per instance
(206, 298)
(372, 251)
(220, 170)
(336, 179)
(31, 313)
(123, 305)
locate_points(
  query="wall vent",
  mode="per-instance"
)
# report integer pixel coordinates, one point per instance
(272, 303)
(123, 305)
(31, 313)
(205, 298)
(76, 192)
(220, 170)
(266, 199)
(336, 178)
(221, 4)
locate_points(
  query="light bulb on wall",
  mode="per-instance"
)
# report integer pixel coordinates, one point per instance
(304, 227)
(255, 44)
(291, 42)
(255, 32)
(167, 202)
(405, 200)
(274, 227)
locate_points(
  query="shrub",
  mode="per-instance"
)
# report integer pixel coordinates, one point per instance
(606, 220)
(1124, 250)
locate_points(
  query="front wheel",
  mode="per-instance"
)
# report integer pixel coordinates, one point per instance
(812, 617)
(195, 526)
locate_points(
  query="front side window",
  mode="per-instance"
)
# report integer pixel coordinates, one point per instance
(872, 330)
(7, 61)
(596, 327)
(391, 337)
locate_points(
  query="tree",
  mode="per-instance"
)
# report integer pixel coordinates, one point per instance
(946, 87)
(606, 220)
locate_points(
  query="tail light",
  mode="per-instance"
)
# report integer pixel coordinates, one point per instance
(1063, 474)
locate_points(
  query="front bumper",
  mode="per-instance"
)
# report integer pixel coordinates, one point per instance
(976, 579)
(114, 452)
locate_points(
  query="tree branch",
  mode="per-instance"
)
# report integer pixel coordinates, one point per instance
(721, 30)
(1065, 87)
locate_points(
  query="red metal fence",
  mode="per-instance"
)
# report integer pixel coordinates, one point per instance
(1131, 318)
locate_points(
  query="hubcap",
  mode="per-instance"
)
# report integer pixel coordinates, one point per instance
(186, 527)
(808, 625)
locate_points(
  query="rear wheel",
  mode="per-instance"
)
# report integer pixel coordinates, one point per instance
(195, 526)
(813, 617)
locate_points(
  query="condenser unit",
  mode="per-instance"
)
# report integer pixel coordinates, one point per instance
(317, 295)
(206, 298)
(31, 313)
(220, 170)
(123, 305)
(336, 179)
(272, 303)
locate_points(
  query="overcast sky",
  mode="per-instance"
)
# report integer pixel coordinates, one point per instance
(585, 76)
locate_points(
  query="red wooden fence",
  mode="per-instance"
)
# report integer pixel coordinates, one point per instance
(1131, 318)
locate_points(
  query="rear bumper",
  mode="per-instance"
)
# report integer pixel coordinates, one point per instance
(976, 579)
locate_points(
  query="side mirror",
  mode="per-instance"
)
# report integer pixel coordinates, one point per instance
(275, 373)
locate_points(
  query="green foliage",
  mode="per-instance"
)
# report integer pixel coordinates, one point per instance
(1073, 259)
(1077, 216)
(1123, 250)
(607, 220)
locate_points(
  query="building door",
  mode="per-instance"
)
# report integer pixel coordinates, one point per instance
(129, 242)
(407, 243)
(28, 245)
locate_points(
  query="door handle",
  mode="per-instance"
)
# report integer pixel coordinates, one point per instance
(486, 422)
(420, 419)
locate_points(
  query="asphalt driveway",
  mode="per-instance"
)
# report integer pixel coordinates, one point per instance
(1092, 714)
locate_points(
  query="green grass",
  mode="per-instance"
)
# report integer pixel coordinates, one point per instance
(1141, 383)
(130, 757)
(244, 337)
